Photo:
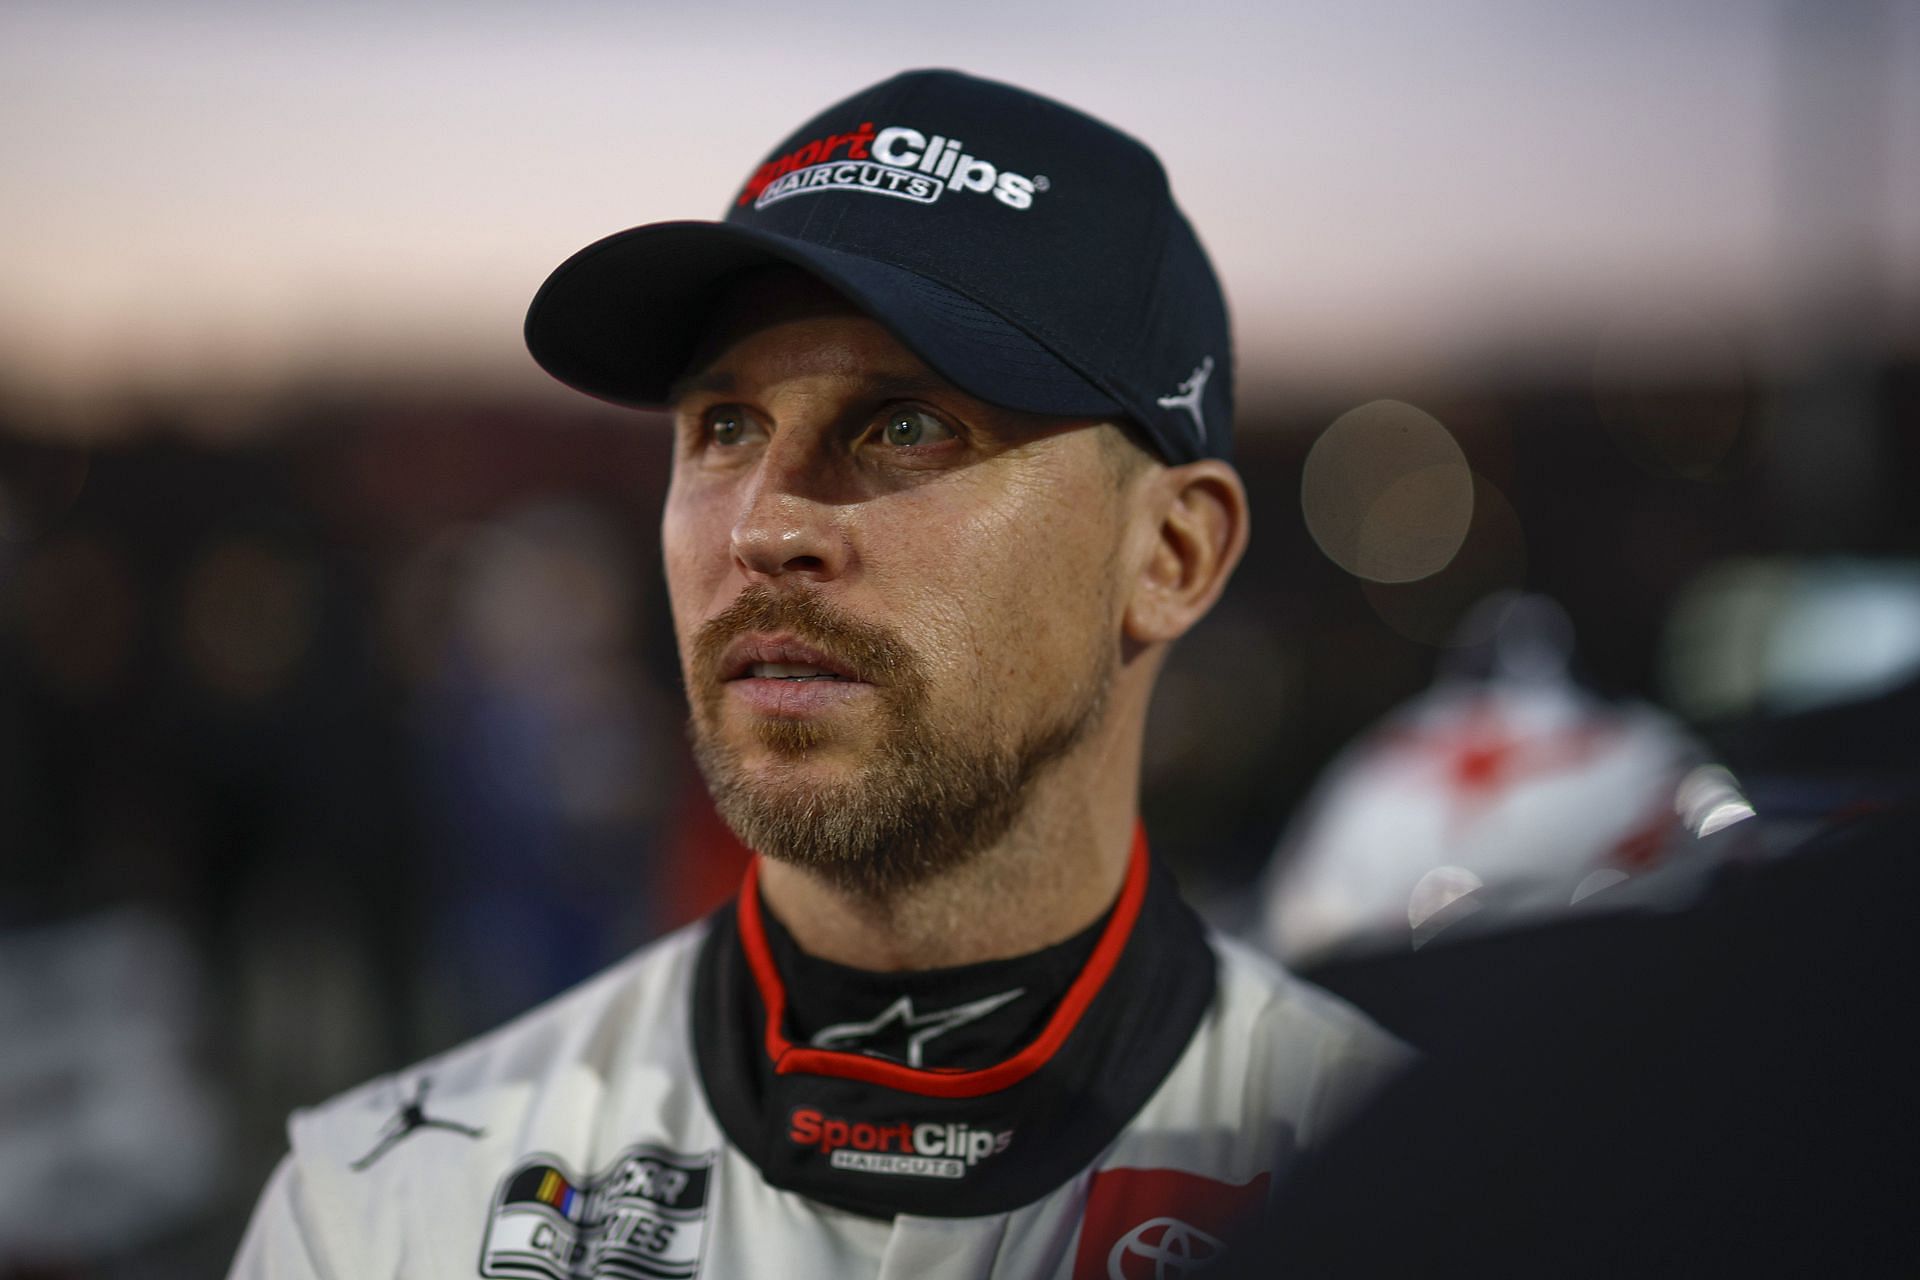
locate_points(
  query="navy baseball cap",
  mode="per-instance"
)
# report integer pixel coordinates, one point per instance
(1028, 253)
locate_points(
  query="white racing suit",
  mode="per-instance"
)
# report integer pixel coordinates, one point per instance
(657, 1122)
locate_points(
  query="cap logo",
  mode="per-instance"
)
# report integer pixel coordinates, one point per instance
(897, 161)
(1188, 396)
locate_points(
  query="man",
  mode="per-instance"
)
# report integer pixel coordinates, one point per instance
(951, 419)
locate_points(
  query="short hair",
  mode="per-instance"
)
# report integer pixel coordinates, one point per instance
(1126, 451)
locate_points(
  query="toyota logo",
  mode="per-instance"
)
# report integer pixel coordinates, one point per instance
(1173, 1248)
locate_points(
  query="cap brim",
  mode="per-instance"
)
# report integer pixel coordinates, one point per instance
(622, 318)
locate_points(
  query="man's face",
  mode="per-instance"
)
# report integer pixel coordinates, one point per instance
(895, 605)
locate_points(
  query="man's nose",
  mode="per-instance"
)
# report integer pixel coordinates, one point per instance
(784, 525)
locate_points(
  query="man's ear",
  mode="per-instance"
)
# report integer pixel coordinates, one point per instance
(1201, 533)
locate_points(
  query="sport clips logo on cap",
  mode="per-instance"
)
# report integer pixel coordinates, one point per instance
(897, 161)
(1101, 304)
(925, 1150)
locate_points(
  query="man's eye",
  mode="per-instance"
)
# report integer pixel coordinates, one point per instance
(908, 427)
(728, 426)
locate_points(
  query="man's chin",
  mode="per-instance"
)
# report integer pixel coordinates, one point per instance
(832, 804)
(781, 768)
(774, 781)
(874, 808)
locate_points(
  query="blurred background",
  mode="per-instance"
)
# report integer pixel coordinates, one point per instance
(339, 713)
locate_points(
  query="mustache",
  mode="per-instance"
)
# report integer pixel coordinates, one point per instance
(873, 653)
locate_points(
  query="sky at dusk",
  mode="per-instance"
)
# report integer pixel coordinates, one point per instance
(233, 194)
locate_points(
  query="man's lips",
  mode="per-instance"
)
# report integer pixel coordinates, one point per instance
(783, 658)
(783, 678)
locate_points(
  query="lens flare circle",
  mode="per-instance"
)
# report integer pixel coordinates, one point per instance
(1387, 493)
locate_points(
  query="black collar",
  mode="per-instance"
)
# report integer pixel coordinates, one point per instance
(970, 1016)
(879, 1136)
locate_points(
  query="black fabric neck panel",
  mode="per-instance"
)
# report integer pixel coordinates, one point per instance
(968, 1016)
(879, 1151)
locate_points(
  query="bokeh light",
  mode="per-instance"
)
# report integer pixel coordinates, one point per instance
(1792, 634)
(1387, 493)
(1708, 799)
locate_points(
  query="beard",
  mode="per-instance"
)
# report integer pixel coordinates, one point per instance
(927, 800)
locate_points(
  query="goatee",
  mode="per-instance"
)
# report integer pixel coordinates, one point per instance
(928, 799)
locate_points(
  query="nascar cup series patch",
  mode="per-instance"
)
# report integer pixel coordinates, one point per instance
(645, 1218)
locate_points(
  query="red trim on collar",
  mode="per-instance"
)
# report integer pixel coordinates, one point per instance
(939, 1082)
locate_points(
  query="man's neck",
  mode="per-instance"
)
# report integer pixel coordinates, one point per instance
(1049, 877)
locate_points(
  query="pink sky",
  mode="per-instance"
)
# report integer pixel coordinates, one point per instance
(238, 195)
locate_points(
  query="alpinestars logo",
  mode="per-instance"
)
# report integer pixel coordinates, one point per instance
(896, 161)
(926, 1150)
(902, 1034)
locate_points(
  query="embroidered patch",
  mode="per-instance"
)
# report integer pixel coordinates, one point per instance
(645, 1218)
(411, 1118)
(1150, 1224)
